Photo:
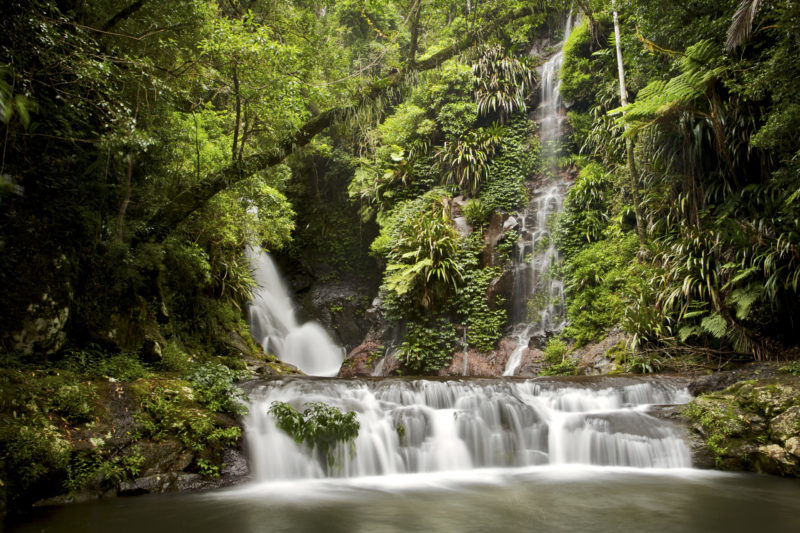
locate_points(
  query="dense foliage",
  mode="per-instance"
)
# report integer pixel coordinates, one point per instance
(717, 177)
(145, 146)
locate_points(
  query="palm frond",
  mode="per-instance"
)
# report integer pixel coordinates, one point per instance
(742, 26)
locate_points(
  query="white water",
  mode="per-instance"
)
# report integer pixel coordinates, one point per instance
(549, 114)
(433, 426)
(274, 324)
(536, 254)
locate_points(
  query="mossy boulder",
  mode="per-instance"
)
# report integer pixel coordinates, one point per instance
(752, 425)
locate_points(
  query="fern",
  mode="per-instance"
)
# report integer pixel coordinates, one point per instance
(715, 325)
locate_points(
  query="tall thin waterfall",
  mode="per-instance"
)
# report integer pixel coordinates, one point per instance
(430, 426)
(538, 306)
(273, 322)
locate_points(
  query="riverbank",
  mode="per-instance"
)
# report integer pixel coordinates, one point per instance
(82, 439)
(96, 425)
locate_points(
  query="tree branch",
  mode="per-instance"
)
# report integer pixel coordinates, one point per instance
(122, 15)
(168, 217)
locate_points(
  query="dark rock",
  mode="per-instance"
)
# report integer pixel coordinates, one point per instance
(503, 287)
(531, 364)
(236, 464)
(340, 307)
(186, 482)
(154, 484)
(494, 233)
(712, 382)
(37, 307)
(151, 351)
(166, 456)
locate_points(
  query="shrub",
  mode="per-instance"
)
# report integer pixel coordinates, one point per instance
(555, 357)
(476, 212)
(75, 402)
(165, 414)
(173, 358)
(214, 388)
(555, 350)
(319, 426)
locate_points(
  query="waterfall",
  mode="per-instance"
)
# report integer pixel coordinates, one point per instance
(430, 426)
(274, 324)
(549, 114)
(538, 305)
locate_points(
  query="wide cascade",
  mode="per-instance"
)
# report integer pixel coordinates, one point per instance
(273, 322)
(429, 426)
(538, 306)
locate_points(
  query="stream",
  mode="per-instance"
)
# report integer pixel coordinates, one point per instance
(577, 454)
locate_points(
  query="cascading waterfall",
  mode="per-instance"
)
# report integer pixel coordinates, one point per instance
(274, 324)
(431, 426)
(538, 307)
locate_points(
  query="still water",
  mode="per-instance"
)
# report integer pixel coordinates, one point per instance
(549, 499)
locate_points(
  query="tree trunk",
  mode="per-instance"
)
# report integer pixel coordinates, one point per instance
(632, 170)
(412, 53)
(238, 120)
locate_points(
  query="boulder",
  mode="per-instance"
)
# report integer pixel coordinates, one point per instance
(793, 446)
(786, 425)
(774, 459)
(235, 464)
(361, 361)
(501, 287)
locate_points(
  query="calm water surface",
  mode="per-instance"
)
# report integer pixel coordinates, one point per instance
(547, 499)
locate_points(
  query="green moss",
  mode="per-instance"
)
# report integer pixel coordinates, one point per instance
(576, 79)
(720, 420)
(741, 417)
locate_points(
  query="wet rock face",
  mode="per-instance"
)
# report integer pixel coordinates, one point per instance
(340, 307)
(493, 363)
(752, 425)
(597, 357)
(361, 361)
(501, 289)
(494, 234)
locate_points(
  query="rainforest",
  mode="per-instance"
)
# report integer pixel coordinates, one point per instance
(392, 265)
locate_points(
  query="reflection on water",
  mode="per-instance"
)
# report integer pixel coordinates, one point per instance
(551, 499)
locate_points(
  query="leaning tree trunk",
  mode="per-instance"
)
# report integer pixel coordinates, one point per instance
(632, 170)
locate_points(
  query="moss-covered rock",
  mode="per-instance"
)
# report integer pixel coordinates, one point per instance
(752, 425)
(73, 433)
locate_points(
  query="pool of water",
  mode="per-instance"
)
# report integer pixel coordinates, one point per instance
(546, 498)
